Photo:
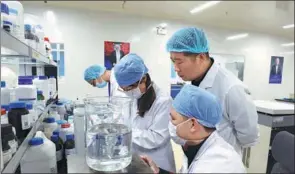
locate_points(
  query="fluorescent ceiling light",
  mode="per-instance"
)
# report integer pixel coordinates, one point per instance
(239, 36)
(204, 6)
(288, 44)
(288, 26)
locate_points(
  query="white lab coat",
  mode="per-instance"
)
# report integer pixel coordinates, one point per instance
(150, 134)
(239, 126)
(214, 156)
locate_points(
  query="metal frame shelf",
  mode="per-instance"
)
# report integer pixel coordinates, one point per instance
(15, 160)
(30, 55)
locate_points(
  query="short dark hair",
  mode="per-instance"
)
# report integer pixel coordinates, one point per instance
(145, 102)
(195, 54)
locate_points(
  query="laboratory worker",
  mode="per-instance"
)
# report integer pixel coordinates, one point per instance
(189, 51)
(150, 133)
(194, 116)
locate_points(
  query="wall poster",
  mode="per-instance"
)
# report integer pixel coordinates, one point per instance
(113, 52)
(276, 70)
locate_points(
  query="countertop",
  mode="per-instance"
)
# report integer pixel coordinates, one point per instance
(77, 164)
(274, 107)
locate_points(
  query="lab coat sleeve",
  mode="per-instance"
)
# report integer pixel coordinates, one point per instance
(158, 133)
(243, 115)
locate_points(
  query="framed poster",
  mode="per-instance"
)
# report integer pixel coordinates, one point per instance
(276, 70)
(113, 52)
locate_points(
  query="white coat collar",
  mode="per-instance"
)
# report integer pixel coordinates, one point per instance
(210, 141)
(208, 80)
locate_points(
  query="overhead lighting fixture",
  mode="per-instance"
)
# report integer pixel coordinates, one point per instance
(204, 6)
(288, 44)
(239, 36)
(288, 26)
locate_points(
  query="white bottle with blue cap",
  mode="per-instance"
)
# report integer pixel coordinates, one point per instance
(39, 158)
(32, 114)
(49, 125)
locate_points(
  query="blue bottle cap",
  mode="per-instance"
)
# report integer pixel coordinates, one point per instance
(6, 107)
(70, 137)
(43, 77)
(29, 106)
(55, 133)
(54, 138)
(28, 27)
(51, 77)
(39, 92)
(3, 84)
(36, 141)
(59, 103)
(25, 77)
(4, 8)
(60, 122)
(17, 105)
(50, 120)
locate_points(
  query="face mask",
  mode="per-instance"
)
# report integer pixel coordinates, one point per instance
(174, 136)
(102, 84)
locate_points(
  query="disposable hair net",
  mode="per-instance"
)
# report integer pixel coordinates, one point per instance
(195, 102)
(93, 72)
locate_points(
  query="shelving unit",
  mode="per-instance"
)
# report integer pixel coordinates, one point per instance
(22, 54)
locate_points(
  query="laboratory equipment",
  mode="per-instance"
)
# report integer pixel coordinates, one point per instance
(69, 145)
(26, 91)
(5, 94)
(9, 136)
(108, 132)
(4, 117)
(49, 125)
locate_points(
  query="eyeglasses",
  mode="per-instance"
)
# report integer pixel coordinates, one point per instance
(130, 87)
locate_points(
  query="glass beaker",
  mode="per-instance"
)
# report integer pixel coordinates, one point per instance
(108, 132)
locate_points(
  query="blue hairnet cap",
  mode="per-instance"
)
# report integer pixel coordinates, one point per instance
(93, 72)
(129, 70)
(191, 39)
(195, 102)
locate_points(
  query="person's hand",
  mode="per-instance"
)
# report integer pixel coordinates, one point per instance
(150, 163)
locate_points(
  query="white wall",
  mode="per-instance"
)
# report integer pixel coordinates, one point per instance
(84, 33)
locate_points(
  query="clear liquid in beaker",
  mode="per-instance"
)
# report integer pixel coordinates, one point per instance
(108, 147)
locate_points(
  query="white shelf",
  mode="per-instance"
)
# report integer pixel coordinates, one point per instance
(274, 107)
(24, 53)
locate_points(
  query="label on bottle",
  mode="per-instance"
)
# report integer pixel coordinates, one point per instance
(70, 151)
(25, 121)
(13, 145)
(59, 155)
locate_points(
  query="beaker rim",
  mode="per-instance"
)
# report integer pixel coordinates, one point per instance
(127, 99)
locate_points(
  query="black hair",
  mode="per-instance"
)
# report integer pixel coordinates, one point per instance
(195, 54)
(145, 102)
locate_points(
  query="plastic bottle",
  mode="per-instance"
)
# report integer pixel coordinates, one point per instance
(53, 113)
(39, 158)
(61, 110)
(9, 136)
(4, 117)
(6, 24)
(49, 125)
(30, 36)
(52, 85)
(26, 91)
(5, 94)
(59, 152)
(59, 123)
(40, 38)
(33, 115)
(18, 117)
(79, 129)
(65, 130)
(42, 84)
(6, 151)
(56, 132)
(17, 12)
(69, 145)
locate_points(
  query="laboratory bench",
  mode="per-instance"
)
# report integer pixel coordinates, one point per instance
(273, 117)
(77, 164)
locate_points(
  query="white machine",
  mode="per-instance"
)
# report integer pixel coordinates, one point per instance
(273, 117)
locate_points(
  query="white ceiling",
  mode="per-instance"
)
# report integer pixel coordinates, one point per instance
(260, 16)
